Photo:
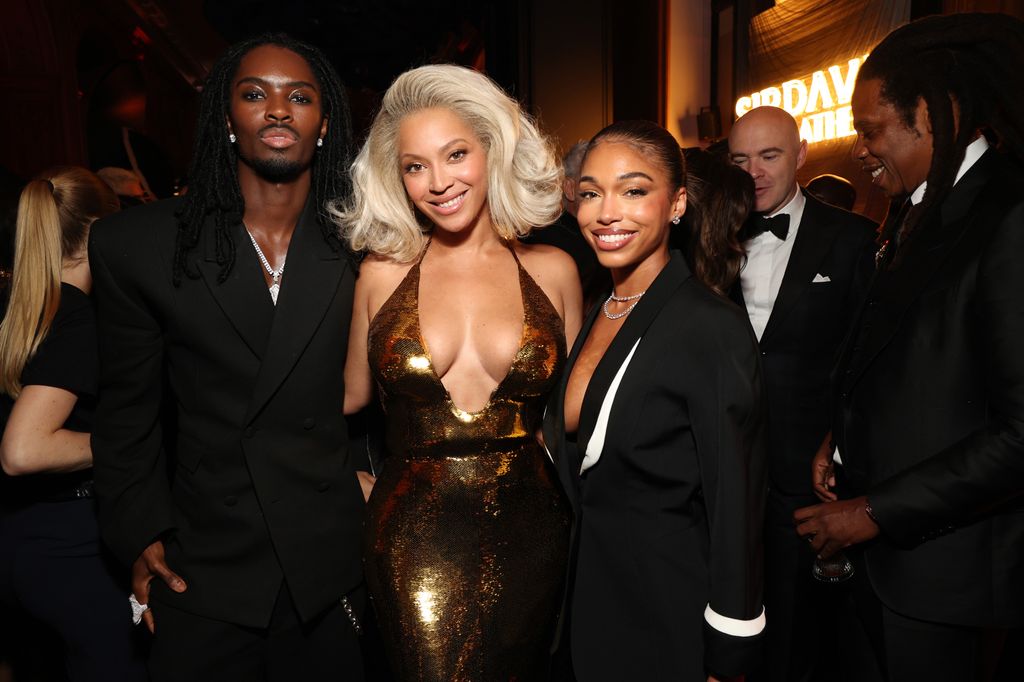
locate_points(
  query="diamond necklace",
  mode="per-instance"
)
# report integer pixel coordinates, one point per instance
(275, 275)
(621, 299)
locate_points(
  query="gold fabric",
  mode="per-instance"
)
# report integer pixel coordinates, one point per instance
(467, 532)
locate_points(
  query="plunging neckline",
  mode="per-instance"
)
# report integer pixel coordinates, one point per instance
(462, 414)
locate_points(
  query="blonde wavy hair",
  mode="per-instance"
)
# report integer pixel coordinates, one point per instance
(54, 215)
(524, 176)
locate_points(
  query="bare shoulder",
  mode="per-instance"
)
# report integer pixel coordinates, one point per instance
(377, 270)
(547, 263)
(378, 279)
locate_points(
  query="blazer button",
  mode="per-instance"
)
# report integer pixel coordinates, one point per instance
(249, 432)
(230, 501)
(308, 423)
(323, 487)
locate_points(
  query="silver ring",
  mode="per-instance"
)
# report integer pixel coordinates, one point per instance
(137, 609)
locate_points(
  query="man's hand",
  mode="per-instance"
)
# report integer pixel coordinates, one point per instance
(833, 526)
(823, 475)
(149, 565)
(366, 481)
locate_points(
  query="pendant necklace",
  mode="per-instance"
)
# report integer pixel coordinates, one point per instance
(621, 299)
(275, 275)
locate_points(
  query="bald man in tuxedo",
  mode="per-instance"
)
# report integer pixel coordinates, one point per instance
(807, 268)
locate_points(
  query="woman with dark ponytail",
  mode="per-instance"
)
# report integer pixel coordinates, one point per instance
(657, 432)
(52, 565)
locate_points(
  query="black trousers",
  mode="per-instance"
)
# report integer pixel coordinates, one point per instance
(191, 648)
(909, 649)
(53, 567)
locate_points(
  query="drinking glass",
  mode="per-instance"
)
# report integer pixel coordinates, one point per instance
(835, 569)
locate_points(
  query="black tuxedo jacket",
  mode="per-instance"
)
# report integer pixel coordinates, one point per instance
(259, 486)
(668, 521)
(804, 332)
(930, 409)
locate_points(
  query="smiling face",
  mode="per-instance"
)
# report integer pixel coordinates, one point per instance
(625, 205)
(896, 157)
(766, 143)
(444, 169)
(275, 113)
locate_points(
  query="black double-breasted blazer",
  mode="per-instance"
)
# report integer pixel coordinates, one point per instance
(246, 477)
(822, 289)
(667, 532)
(930, 409)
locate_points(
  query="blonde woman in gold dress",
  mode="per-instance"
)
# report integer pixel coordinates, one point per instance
(462, 330)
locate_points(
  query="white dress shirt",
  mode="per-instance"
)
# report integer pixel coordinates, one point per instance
(767, 258)
(972, 153)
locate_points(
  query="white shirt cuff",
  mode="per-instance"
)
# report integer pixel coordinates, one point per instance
(733, 626)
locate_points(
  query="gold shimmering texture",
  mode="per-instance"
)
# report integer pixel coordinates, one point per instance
(467, 533)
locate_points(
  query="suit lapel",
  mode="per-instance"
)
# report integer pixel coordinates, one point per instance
(664, 285)
(555, 414)
(930, 248)
(308, 286)
(243, 297)
(814, 238)
(554, 417)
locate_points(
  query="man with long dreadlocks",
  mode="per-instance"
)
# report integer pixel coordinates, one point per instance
(929, 390)
(242, 525)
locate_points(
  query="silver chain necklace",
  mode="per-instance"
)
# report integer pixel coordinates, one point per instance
(621, 299)
(275, 275)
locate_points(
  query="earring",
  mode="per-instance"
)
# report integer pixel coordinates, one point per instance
(675, 220)
(231, 138)
(319, 142)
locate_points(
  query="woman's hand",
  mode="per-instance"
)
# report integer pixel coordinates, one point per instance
(366, 481)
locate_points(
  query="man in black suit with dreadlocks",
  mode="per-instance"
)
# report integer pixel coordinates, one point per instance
(929, 389)
(242, 526)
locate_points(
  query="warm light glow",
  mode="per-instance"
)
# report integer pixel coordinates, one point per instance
(820, 102)
(462, 415)
(425, 603)
(419, 362)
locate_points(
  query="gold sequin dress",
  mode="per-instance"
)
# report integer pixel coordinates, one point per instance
(467, 531)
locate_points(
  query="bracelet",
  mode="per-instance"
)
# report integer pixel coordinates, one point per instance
(870, 512)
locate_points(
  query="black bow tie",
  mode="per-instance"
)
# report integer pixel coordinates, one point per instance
(777, 225)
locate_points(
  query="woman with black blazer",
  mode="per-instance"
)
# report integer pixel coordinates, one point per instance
(656, 430)
(51, 562)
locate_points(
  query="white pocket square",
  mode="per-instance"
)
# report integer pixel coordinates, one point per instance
(821, 278)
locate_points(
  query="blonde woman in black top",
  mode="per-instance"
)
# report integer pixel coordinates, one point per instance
(52, 565)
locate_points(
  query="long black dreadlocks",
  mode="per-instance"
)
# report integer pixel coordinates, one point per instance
(969, 69)
(213, 174)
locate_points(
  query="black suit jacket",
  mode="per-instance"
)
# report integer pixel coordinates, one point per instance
(669, 519)
(930, 416)
(259, 487)
(804, 332)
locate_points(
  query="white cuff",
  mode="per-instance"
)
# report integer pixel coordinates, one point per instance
(734, 626)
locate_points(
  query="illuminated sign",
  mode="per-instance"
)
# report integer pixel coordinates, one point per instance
(820, 102)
